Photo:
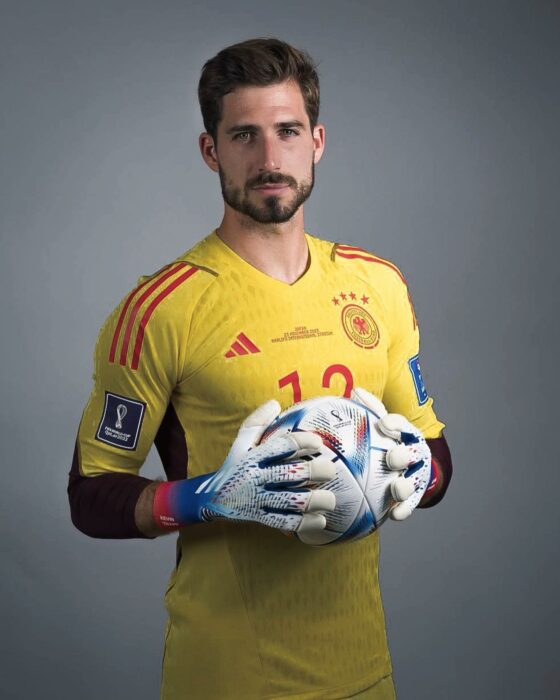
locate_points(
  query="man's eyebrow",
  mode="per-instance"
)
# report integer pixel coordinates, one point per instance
(253, 127)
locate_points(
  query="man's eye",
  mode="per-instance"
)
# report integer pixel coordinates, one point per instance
(242, 134)
(292, 131)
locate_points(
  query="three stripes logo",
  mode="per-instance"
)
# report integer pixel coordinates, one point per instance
(128, 338)
(242, 346)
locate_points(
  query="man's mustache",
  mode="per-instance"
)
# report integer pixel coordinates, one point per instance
(272, 179)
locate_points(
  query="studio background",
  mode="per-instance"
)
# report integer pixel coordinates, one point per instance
(441, 155)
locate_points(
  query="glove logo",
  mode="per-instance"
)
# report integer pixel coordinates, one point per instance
(360, 326)
(121, 421)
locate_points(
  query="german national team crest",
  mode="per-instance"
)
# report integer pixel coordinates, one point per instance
(358, 323)
(360, 326)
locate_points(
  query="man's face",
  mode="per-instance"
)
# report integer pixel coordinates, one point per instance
(265, 152)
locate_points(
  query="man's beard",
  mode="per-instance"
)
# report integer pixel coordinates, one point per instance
(271, 210)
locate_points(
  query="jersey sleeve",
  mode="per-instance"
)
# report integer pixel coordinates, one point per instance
(405, 392)
(138, 361)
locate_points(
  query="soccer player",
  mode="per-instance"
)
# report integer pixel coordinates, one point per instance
(256, 316)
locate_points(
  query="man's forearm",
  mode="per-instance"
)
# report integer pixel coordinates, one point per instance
(104, 506)
(117, 505)
(114, 506)
(143, 513)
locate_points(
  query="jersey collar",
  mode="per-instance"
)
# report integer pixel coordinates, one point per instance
(261, 278)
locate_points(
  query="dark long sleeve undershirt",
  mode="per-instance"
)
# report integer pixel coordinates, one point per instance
(103, 506)
(441, 460)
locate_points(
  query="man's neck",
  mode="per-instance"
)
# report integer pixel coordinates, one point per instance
(278, 250)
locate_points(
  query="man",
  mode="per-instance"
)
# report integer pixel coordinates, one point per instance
(257, 311)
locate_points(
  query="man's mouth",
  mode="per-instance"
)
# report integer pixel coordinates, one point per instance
(272, 188)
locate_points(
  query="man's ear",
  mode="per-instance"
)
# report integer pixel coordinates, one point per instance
(208, 150)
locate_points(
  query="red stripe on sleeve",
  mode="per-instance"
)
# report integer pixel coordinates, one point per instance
(371, 258)
(360, 256)
(134, 313)
(343, 246)
(150, 310)
(247, 343)
(122, 316)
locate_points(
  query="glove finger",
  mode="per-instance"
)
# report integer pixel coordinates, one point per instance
(307, 524)
(253, 427)
(302, 524)
(291, 446)
(274, 450)
(321, 470)
(302, 501)
(317, 470)
(321, 500)
(262, 416)
(307, 443)
(370, 401)
(289, 522)
(399, 457)
(392, 424)
(402, 488)
(401, 511)
(311, 523)
(399, 428)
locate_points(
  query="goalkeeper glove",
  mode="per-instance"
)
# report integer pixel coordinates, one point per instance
(410, 460)
(259, 483)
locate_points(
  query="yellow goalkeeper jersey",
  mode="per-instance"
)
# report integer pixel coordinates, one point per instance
(181, 362)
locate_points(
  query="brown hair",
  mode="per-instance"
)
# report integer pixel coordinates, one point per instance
(262, 61)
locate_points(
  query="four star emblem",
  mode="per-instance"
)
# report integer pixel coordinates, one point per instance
(343, 296)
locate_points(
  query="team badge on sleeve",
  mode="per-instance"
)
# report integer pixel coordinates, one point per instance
(121, 421)
(421, 393)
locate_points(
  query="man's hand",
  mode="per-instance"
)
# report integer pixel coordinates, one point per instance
(260, 483)
(410, 459)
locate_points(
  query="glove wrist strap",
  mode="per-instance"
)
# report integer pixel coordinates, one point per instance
(176, 503)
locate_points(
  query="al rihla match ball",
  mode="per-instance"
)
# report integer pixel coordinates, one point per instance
(358, 448)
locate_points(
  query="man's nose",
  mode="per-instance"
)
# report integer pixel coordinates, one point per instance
(269, 154)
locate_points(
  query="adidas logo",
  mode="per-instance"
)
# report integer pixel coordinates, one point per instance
(242, 346)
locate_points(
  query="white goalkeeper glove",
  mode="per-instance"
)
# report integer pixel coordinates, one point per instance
(260, 483)
(410, 460)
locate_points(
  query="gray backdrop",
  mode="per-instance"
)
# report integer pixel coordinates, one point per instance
(442, 155)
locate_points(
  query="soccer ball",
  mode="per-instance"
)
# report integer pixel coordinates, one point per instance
(356, 446)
